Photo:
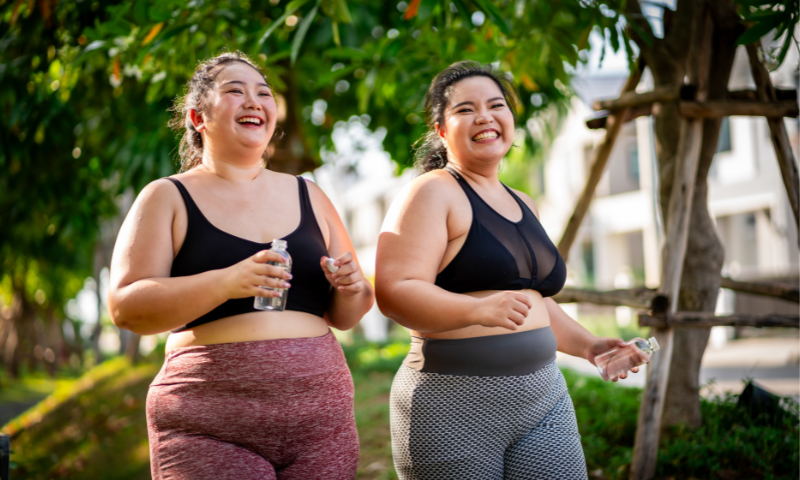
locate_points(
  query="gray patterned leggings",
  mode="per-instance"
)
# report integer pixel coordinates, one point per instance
(448, 427)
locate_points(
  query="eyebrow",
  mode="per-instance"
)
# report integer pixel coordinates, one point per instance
(468, 102)
(244, 83)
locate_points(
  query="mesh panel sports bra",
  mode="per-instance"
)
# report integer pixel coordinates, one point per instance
(206, 247)
(499, 254)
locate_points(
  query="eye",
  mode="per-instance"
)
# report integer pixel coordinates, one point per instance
(265, 94)
(498, 105)
(464, 110)
(235, 91)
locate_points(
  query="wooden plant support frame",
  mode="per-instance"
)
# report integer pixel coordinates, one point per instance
(662, 315)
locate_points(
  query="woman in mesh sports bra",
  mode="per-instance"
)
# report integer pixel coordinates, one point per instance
(243, 393)
(465, 264)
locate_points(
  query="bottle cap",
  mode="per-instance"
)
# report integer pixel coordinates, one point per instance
(653, 343)
(331, 267)
(278, 243)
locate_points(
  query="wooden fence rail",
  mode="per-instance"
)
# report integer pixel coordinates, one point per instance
(708, 319)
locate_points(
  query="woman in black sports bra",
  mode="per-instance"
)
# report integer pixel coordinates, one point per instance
(243, 393)
(465, 264)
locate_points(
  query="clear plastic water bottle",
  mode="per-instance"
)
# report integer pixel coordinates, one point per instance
(617, 361)
(276, 303)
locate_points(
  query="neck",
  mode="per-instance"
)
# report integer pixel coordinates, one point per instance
(478, 172)
(242, 170)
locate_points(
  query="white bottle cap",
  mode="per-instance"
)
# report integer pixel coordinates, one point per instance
(653, 343)
(331, 267)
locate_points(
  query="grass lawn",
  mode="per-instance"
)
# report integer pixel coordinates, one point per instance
(94, 428)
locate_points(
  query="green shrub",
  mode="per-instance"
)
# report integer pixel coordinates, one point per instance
(364, 357)
(728, 445)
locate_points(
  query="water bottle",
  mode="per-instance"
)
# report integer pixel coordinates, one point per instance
(617, 361)
(276, 304)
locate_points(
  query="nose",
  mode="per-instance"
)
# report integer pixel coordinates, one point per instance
(484, 117)
(251, 102)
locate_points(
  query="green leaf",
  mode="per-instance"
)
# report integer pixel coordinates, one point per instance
(786, 44)
(462, 10)
(331, 77)
(92, 47)
(335, 28)
(492, 12)
(341, 12)
(140, 12)
(290, 9)
(754, 33)
(301, 32)
(646, 37)
(169, 34)
(159, 12)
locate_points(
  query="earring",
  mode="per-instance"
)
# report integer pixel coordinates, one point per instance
(444, 142)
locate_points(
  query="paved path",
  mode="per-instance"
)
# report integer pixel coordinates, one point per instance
(773, 363)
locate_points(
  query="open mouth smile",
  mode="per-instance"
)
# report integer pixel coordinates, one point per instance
(250, 120)
(486, 135)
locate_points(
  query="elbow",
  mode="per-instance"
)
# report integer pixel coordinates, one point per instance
(121, 320)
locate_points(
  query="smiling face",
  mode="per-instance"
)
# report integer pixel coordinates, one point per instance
(239, 110)
(478, 123)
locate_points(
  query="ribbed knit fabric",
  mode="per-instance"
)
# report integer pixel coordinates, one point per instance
(270, 409)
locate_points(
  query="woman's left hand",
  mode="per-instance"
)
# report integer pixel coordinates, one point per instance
(348, 279)
(604, 344)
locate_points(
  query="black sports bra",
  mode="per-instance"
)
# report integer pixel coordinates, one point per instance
(499, 254)
(206, 247)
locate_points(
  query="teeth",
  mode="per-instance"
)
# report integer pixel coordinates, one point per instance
(485, 136)
(253, 120)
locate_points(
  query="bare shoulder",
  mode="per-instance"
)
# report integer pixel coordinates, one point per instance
(316, 194)
(159, 191)
(434, 188)
(527, 200)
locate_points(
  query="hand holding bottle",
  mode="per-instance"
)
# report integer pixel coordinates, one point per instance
(245, 278)
(616, 362)
(279, 259)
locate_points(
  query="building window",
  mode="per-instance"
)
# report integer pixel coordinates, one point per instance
(724, 142)
(587, 252)
(633, 164)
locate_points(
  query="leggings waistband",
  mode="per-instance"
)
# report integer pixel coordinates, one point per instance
(511, 354)
(253, 361)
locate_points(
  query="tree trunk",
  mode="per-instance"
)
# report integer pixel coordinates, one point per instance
(668, 59)
(20, 341)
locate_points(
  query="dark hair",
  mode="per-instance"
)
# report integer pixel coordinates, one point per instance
(191, 146)
(430, 151)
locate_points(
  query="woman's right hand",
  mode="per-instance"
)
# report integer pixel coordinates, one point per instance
(506, 309)
(246, 278)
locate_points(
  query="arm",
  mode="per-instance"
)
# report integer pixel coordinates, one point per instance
(573, 339)
(142, 296)
(352, 295)
(411, 247)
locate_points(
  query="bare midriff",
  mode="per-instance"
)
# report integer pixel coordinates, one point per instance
(537, 318)
(249, 327)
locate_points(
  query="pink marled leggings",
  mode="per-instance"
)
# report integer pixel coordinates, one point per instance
(270, 409)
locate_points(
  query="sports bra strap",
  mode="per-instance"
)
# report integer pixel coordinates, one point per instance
(192, 210)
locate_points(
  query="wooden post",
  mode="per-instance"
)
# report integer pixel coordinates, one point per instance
(600, 157)
(780, 139)
(648, 429)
